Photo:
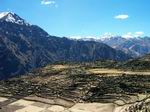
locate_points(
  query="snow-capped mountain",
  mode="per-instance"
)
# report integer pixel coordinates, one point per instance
(13, 18)
(25, 47)
(134, 46)
(114, 41)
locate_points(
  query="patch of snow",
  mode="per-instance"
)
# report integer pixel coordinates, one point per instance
(86, 38)
(107, 36)
(3, 14)
(12, 17)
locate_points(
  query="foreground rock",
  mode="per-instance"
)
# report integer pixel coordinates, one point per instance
(34, 104)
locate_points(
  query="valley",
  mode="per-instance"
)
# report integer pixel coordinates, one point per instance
(44, 73)
(81, 84)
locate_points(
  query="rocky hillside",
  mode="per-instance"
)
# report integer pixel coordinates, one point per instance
(24, 46)
(136, 47)
(142, 63)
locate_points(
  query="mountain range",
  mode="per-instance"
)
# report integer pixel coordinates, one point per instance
(133, 46)
(136, 47)
(24, 47)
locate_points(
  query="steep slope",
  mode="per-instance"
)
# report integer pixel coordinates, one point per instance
(24, 47)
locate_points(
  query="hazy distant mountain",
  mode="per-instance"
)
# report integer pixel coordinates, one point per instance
(113, 41)
(136, 47)
(24, 47)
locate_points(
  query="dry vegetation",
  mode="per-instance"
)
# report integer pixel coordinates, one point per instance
(84, 82)
(116, 72)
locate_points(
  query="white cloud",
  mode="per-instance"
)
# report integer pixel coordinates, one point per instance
(76, 37)
(128, 35)
(106, 35)
(85, 38)
(48, 2)
(121, 17)
(133, 35)
(82, 37)
(138, 34)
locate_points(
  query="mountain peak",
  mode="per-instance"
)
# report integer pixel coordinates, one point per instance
(13, 18)
(3, 14)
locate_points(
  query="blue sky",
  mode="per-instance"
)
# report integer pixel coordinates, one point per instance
(84, 17)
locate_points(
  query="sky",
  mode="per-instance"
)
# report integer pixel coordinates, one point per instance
(84, 18)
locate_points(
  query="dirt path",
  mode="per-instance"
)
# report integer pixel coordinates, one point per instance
(116, 72)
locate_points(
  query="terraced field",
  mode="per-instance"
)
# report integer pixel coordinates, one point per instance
(108, 90)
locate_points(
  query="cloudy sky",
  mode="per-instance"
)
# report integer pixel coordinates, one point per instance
(84, 17)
